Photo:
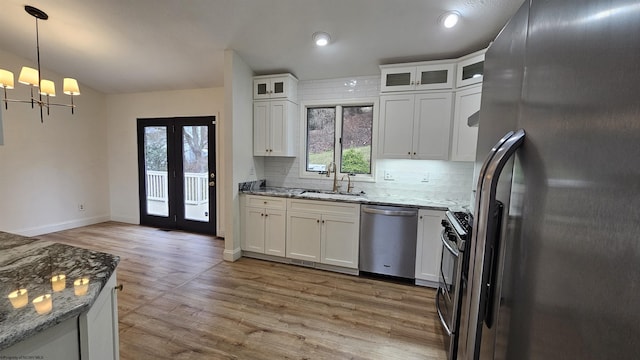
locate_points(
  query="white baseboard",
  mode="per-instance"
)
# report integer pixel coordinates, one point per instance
(126, 220)
(232, 255)
(65, 225)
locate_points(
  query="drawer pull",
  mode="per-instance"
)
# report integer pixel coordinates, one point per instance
(119, 287)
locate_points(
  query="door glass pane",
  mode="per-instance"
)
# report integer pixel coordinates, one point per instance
(473, 70)
(262, 89)
(155, 164)
(398, 79)
(195, 158)
(321, 125)
(357, 125)
(433, 77)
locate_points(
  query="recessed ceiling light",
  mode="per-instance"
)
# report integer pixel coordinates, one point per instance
(321, 38)
(450, 19)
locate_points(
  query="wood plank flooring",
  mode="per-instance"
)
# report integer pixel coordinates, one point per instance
(182, 301)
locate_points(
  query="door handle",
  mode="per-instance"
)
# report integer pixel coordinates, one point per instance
(212, 183)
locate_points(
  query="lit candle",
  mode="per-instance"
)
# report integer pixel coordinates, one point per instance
(43, 304)
(19, 298)
(80, 286)
(58, 282)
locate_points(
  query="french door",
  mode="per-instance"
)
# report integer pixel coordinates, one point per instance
(177, 173)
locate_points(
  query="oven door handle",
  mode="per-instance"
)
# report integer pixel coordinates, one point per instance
(442, 320)
(448, 246)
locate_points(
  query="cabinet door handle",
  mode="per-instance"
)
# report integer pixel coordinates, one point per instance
(414, 153)
(119, 287)
(261, 214)
(323, 221)
(265, 215)
(318, 221)
(409, 153)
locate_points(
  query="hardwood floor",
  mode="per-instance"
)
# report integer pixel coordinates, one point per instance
(182, 301)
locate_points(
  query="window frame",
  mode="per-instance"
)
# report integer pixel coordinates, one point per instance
(338, 103)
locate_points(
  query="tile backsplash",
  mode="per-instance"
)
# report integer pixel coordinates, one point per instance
(424, 178)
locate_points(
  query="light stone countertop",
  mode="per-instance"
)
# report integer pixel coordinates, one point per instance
(30, 263)
(389, 200)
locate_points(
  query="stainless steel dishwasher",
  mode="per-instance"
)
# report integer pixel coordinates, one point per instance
(388, 240)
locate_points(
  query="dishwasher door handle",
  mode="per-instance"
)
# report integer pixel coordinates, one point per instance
(389, 212)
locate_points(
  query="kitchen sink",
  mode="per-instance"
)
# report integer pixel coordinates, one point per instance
(317, 194)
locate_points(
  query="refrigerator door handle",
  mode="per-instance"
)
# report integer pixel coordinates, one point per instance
(487, 161)
(485, 226)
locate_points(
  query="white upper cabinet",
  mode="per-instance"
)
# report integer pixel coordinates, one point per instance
(415, 126)
(465, 137)
(417, 76)
(280, 86)
(470, 69)
(274, 128)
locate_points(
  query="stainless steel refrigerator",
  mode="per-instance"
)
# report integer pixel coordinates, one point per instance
(554, 269)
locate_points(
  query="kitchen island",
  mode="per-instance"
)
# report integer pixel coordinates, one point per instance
(58, 301)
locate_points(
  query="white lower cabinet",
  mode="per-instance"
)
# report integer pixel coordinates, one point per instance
(324, 232)
(264, 225)
(99, 326)
(303, 236)
(429, 246)
(93, 335)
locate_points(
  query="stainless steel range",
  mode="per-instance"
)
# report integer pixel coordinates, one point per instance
(455, 233)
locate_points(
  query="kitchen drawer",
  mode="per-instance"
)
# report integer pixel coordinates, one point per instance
(325, 207)
(266, 202)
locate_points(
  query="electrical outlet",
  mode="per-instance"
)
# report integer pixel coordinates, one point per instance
(81, 207)
(387, 175)
(252, 171)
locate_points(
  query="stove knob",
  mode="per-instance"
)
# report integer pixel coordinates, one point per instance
(444, 223)
(452, 237)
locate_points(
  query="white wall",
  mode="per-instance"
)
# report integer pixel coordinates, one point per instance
(238, 145)
(48, 169)
(442, 180)
(122, 112)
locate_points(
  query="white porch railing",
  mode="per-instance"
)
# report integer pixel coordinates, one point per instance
(196, 187)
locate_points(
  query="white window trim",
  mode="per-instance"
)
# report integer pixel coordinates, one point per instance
(304, 174)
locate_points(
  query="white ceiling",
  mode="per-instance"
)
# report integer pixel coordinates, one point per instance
(125, 46)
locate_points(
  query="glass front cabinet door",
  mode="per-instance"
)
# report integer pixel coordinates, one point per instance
(417, 77)
(470, 69)
(274, 87)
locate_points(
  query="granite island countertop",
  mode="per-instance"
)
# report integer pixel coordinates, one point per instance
(29, 263)
(389, 200)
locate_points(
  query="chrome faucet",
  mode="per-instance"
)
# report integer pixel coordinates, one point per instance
(333, 168)
(349, 184)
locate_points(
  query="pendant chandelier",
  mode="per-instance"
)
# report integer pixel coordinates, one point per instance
(33, 78)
